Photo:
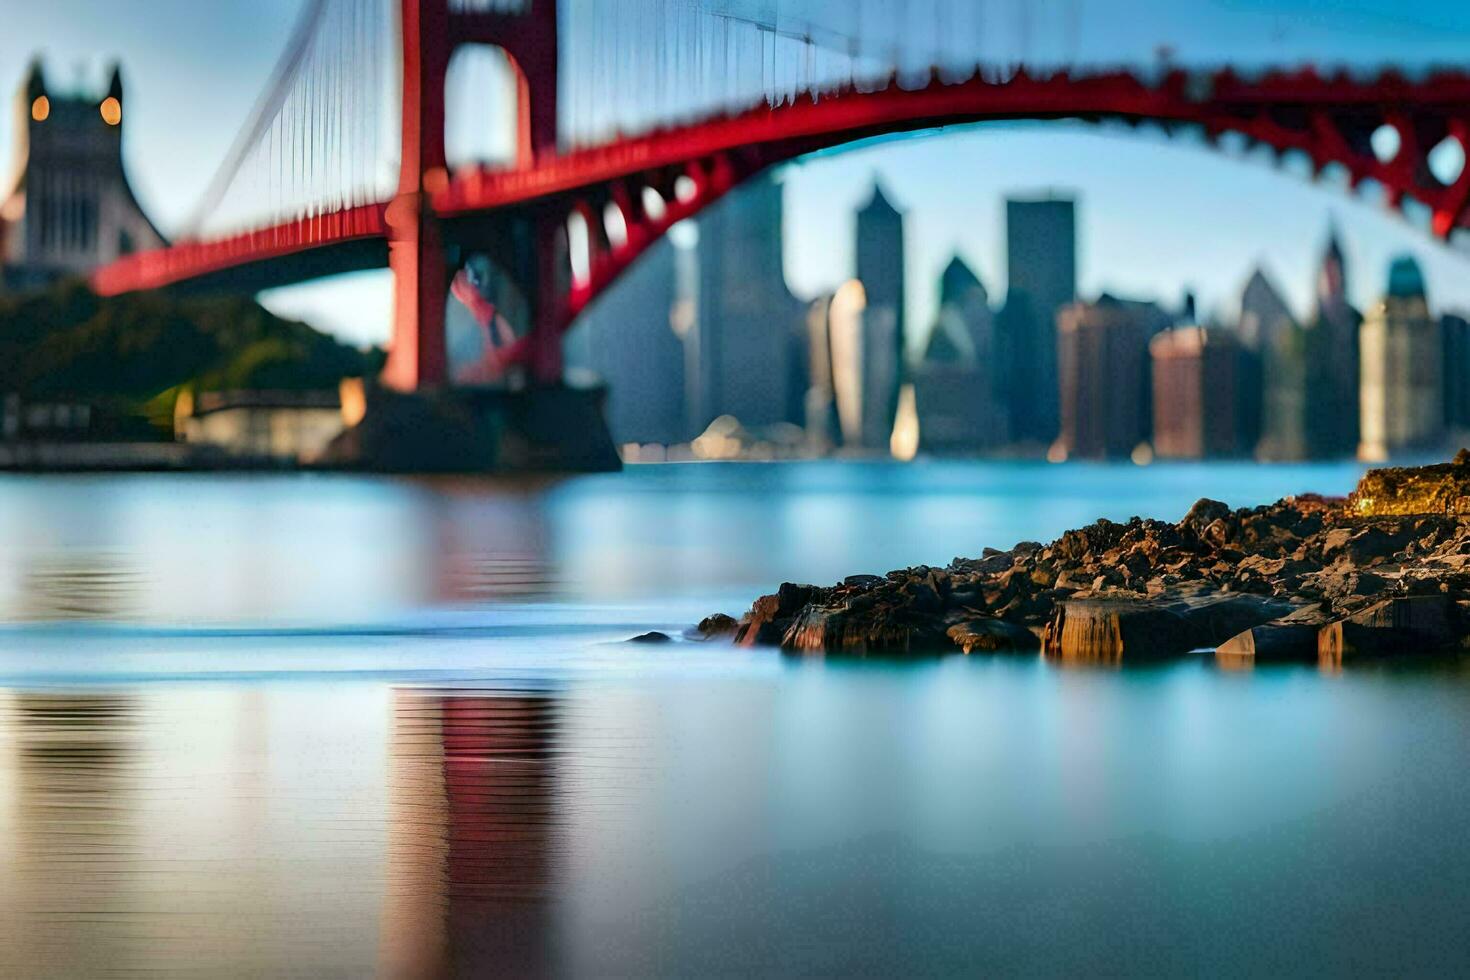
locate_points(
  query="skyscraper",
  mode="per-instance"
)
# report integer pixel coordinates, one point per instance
(1454, 331)
(880, 261)
(1102, 366)
(628, 339)
(1332, 372)
(1275, 388)
(1401, 398)
(1041, 263)
(954, 383)
(1196, 382)
(746, 345)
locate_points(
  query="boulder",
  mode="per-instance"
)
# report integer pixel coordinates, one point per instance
(717, 625)
(1290, 639)
(991, 636)
(1399, 626)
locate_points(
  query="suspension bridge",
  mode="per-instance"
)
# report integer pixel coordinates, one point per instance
(629, 117)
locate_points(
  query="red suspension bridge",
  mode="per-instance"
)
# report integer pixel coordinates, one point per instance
(600, 171)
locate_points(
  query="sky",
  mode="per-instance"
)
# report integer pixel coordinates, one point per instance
(1156, 214)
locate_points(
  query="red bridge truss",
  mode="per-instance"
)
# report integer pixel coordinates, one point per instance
(643, 185)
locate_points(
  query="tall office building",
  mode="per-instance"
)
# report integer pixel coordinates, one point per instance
(1102, 366)
(954, 383)
(1454, 332)
(1401, 397)
(1275, 389)
(629, 338)
(1332, 362)
(1041, 262)
(746, 344)
(1196, 382)
(880, 268)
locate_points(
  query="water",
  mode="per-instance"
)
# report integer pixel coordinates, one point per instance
(342, 726)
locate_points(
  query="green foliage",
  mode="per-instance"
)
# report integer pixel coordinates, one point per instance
(141, 350)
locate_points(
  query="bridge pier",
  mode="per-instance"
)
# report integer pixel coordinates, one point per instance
(416, 255)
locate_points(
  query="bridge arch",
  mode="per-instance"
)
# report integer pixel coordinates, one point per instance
(1334, 121)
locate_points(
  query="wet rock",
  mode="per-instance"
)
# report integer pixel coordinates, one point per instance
(1403, 625)
(1101, 630)
(1289, 639)
(653, 636)
(991, 636)
(1220, 579)
(718, 624)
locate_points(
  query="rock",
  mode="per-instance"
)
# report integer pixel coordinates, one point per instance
(1289, 639)
(717, 625)
(1204, 513)
(1101, 630)
(881, 631)
(1403, 625)
(653, 636)
(991, 636)
(1399, 491)
(1224, 580)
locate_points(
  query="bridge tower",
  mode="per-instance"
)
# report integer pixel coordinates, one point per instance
(69, 208)
(417, 250)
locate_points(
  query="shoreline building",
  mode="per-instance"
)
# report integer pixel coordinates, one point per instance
(1041, 279)
(1454, 332)
(1275, 389)
(1196, 390)
(1401, 396)
(630, 339)
(1102, 366)
(745, 345)
(1332, 364)
(955, 382)
(880, 269)
(68, 206)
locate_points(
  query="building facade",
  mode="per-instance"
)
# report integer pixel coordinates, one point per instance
(1102, 364)
(1401, 395)
(1454, 334)
(955, 382)
(880, 268)
(1196, 388)
(632, 339)
(1041, 272)
(69, 207)
(1332, 368)
(746, 344)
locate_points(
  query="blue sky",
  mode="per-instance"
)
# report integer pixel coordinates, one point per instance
(1155, 215)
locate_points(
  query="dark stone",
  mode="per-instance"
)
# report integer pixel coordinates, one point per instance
(717, 625)
(991, 636)
(1403, 625)
(653, 636)
(1204, 513)
(864, 580)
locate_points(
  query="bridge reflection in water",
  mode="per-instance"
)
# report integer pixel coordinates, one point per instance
(471, 842)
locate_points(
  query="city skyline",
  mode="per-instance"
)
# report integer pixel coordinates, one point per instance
(1157, 215)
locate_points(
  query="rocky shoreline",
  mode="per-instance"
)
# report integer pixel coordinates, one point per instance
(1383, 572)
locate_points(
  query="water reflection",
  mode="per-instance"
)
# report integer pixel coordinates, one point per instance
(348, 551)
(70, 837)
(471, 839)
(78, 585)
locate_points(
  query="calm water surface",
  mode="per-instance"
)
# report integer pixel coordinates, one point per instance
(340, 726)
